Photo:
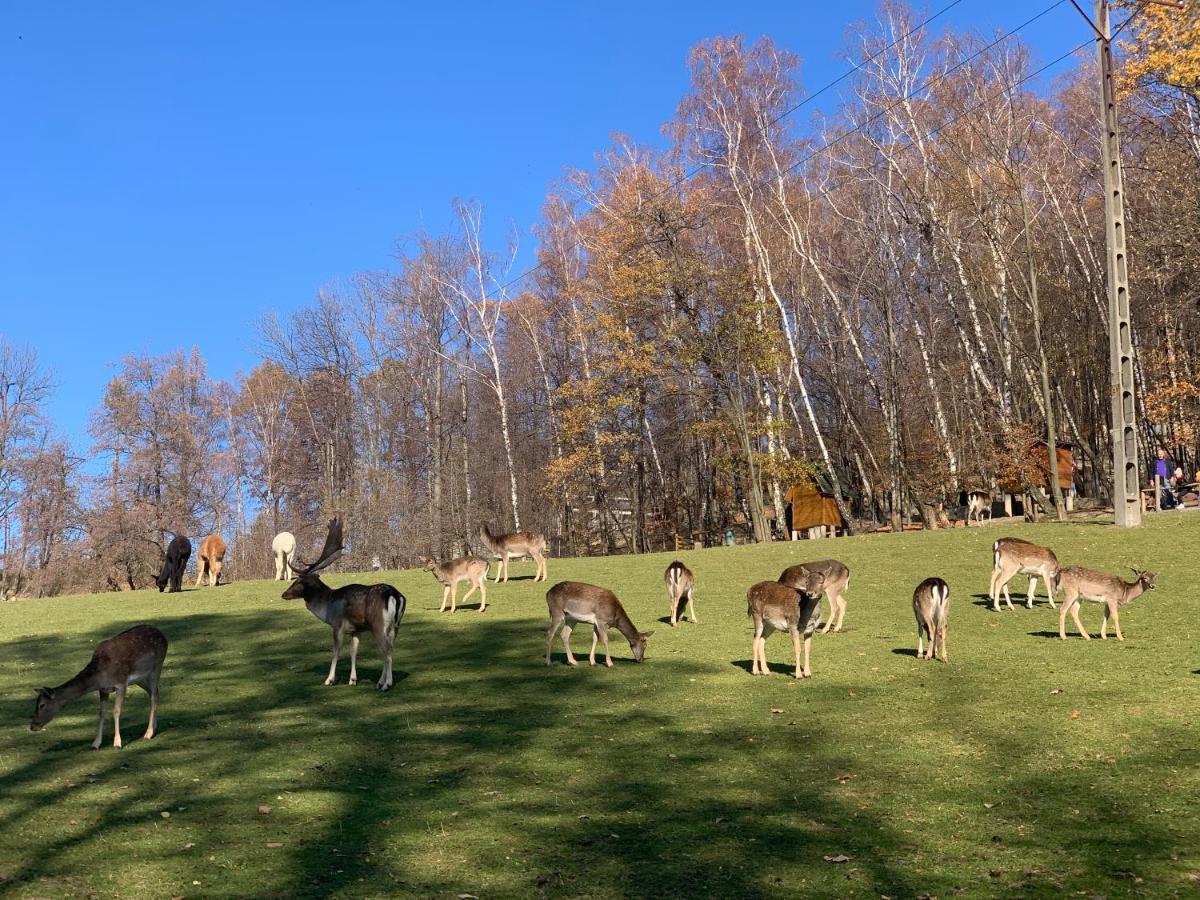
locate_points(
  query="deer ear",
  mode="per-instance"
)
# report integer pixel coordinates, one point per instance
(44, 692)
(646, 634)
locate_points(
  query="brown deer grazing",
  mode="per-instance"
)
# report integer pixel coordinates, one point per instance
(283, 548)
(572, 602)
(680, 584)
(837, 579)
(350, 610)
(134, 656)
(931, 606)
(468, 568)
(515, 545)
(1012, 557)
(777, 607)
(211, 560)
(1084, 584)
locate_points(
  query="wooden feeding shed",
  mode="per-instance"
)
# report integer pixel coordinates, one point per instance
(813, 508)
(1039, 457)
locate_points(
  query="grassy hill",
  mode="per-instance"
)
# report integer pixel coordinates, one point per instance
(1026, 765)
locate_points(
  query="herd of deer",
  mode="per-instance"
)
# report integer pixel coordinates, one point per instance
(790, 604)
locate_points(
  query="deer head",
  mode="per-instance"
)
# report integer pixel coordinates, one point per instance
(1145, 579)
(813, 584)
(307, 574)
(48, 706)
(638, 645)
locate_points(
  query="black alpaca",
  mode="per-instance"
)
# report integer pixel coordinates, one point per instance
(178, 553)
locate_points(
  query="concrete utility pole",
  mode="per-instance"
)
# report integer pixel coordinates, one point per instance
(1127, 507)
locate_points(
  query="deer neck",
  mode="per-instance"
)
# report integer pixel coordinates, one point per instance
(624, 624)
(322, 604)
(85, 682)
(1132, 592)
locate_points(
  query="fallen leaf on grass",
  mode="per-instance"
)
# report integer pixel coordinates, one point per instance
(842, 779)
(988, 805)
(838, 858)
(1056, 691)
(273, 845)
(1074, 714)
(776, 710)
(188, 846)
(265, 810)
(467, 897)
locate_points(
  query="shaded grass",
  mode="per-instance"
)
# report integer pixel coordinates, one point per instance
(1026, 765)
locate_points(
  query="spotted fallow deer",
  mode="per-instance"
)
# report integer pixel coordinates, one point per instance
(134, 656)
(572, 602)
(1012, 557)
(211, 560)
(837, 580)
(283, 548)
(931, 606)
(468, 568)
(515, 545)
(1083, 584)
(350, 610)
(680, 585)
(978, 503)
(777, 607)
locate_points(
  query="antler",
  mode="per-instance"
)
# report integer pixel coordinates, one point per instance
(330, 552)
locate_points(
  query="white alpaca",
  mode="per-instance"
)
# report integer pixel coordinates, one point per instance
(283, 548)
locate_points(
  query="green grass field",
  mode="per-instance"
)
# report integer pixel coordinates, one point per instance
(1026, 766)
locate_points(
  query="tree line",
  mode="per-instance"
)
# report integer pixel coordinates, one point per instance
(899, 297)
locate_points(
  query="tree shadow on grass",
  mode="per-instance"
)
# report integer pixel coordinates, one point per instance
(483, 772)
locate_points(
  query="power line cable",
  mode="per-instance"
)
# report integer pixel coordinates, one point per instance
(500, 289)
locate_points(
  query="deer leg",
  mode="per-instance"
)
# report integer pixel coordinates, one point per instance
(453, 589)
(1049, 589)
(942, 652)
(1032, 592)
(337, 648)
(445, 598)
(118, 703)
(841, 607)
(604, 640)
(199, 573)
(100, 725)
(1116, 617)
(152, 689)
(354, 658)
(566, 639)
(384, 642)
(470, 591)
(1063, 609)
(828, 621)
(796, 650)
(483, 593)
(555, 624)
(592, 652)
(692, 609)
(674, 601)
(992, 592)
(1078, 623)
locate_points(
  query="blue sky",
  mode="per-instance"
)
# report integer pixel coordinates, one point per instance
(168, 171)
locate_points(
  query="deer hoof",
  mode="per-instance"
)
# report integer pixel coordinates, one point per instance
(571, 662)
(352, 682)
(148, 736)
(328, 681)
(95, 745)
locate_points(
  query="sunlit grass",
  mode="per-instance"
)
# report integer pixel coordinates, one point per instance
(1026, 765)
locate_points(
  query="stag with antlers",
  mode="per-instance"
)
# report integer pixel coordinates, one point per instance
(349, 610)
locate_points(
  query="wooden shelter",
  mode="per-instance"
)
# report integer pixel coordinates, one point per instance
(812, 507)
